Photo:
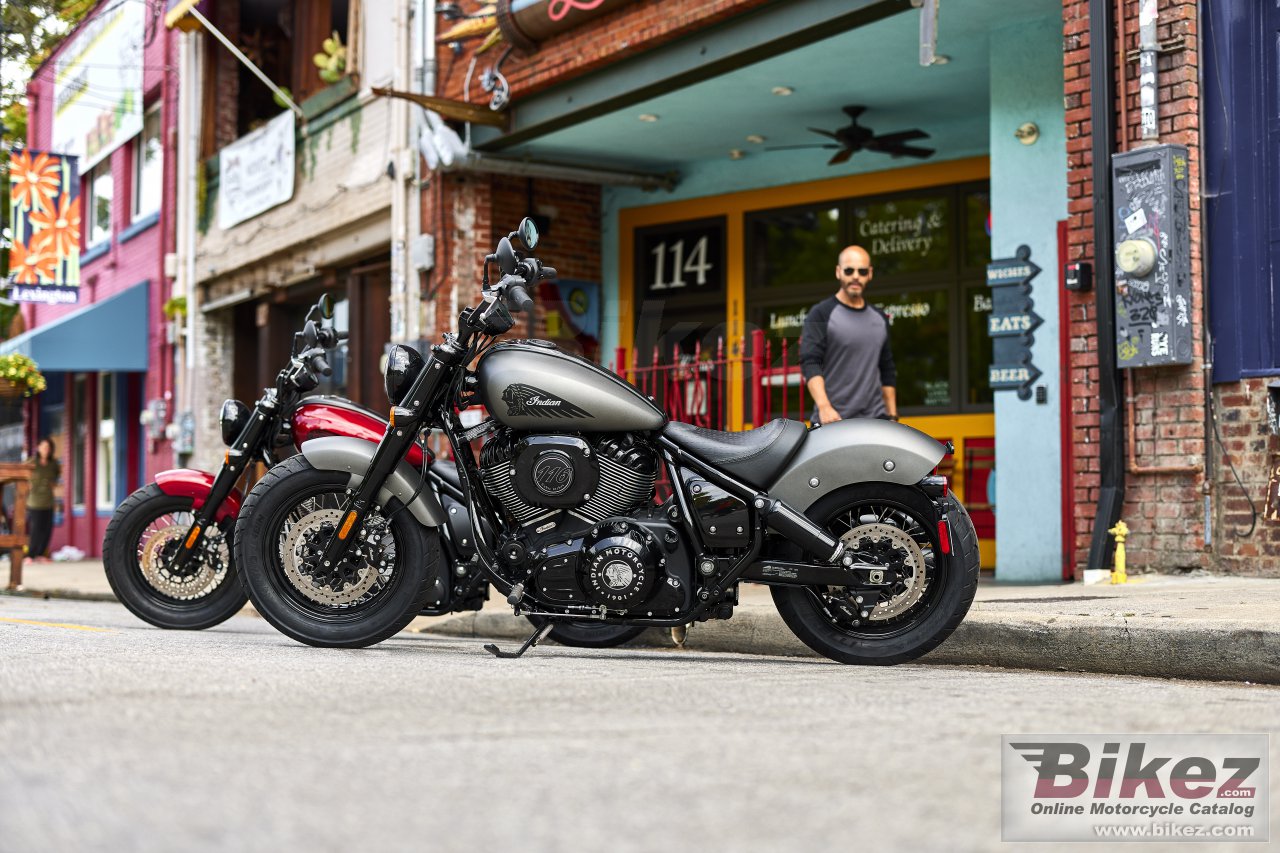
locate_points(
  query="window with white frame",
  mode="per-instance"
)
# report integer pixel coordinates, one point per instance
(101, 191)
(148, 167)
(106, 441)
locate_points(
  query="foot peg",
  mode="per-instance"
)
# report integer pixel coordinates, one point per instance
(537, 637)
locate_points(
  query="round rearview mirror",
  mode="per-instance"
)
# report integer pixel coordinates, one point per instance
(326, 307)
(403, 366)
(529, 233)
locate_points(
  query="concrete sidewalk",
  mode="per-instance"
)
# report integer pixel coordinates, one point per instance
(1198, 626)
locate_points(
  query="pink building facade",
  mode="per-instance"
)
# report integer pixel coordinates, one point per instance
(110, 358)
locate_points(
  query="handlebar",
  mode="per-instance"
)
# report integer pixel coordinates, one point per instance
(518, 298)
(319, 365)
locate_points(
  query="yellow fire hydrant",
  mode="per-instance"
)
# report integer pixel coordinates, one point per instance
(1120, 531)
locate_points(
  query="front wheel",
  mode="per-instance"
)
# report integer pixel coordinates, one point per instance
(924, 593)
(143, 539)
(384, 580)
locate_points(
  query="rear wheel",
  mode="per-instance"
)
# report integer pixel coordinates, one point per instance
(926, 593)
(288, 519)
(144, 536)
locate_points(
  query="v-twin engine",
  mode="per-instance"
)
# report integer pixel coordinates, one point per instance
(536, 478)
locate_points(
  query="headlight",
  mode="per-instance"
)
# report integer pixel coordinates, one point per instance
(403, 366)
(234, 416)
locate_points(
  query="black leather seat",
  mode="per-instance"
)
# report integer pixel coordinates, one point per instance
(755, 457)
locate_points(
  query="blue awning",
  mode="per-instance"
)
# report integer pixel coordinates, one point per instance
(108, 336)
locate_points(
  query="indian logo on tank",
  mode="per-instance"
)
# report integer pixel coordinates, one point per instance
(526, 400)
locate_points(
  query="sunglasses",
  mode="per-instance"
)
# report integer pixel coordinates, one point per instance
(862, 271)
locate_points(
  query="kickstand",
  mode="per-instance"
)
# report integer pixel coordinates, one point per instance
(537, 637)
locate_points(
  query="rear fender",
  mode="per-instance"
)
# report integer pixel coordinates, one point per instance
(190, 483)
(353, 455)
(855, 451)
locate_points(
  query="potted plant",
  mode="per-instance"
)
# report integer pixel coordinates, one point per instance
(20, 376)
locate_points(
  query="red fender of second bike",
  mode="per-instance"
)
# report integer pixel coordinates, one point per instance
(335, 416)
(190, 483)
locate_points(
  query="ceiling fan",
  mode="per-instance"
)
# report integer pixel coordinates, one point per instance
(854, 138)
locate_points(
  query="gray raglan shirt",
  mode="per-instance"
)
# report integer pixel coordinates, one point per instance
(849, 349)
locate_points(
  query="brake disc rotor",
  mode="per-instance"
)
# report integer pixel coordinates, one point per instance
(155, 556)
(298, 554)
(898, 546)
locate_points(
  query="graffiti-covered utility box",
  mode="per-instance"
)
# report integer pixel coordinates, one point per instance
(1153, 256)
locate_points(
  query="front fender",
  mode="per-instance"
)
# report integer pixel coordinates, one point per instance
(855, 451)
(190, 483)
(353, 455)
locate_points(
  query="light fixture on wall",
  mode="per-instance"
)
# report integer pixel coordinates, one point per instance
(1027, 133)
(783, 91)
(647, 117)
(736, 154)
(755, 139)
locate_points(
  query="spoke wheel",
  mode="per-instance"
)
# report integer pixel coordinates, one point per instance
(143, 539)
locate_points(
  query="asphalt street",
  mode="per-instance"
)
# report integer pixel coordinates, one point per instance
(118, 736)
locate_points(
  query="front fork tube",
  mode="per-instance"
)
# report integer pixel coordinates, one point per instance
(242, 451)
(403, 429)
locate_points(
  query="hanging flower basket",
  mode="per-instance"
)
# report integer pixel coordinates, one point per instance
(19, 376)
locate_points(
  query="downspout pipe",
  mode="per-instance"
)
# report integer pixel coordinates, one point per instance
(1102, 93)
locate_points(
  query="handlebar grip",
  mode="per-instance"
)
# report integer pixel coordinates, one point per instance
(319, 365)
(519, 298)
(546, 273)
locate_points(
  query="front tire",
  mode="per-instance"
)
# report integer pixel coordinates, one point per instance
(917, 619)
(144, 533)
(379, 587)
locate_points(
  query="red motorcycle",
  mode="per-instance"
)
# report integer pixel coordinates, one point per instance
(168, 549)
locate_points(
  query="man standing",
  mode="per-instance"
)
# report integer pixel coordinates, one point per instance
(844, 349)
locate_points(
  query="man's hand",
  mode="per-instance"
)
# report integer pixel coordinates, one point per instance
(827, 414)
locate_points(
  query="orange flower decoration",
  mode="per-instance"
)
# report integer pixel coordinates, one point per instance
(57, 230)
(34, 183)
(30, 264)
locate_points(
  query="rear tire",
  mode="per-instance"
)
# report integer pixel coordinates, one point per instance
(945, 601)
(581, 634)
(143, 531)
(384, 587)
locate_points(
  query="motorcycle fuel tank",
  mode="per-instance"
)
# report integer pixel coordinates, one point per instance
(530, 385)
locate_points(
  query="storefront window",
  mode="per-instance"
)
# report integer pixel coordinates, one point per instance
(794, 247)
(920, 334)
(977, 229)
(977, 307)
(106, 480)
(906, 235)
(79, 439)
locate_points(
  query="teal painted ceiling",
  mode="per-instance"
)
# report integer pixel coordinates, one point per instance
(876, 65)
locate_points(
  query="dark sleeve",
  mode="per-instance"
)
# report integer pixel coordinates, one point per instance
(888, 371)
(813, 340)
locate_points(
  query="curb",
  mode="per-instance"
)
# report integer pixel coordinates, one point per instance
(69, 594)
(1110, 645)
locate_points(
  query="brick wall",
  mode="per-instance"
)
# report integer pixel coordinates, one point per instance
(470, 213)
(1164, 510)
(611, 38)
(1248, 445)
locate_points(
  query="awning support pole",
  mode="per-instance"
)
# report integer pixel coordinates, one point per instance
(257, 72)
